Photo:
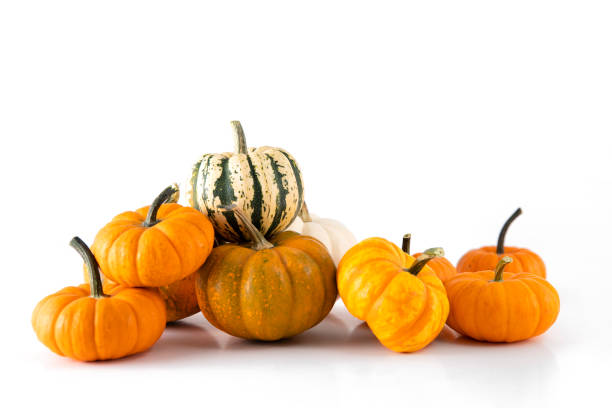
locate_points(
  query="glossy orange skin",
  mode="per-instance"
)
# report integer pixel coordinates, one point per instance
(521, 306)
(486, 258)
(75, 325)
(443, 268)
(268, 294)
(405, 312)
(134, 255)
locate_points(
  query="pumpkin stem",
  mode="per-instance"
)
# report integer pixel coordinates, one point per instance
(304, 214)
(425, 257)
(257, 238)
(504, 230)
(240, 146)
(406, 243)
(93, 270)
(499, 269)
(170, 194)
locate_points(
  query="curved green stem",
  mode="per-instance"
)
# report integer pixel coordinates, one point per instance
(240, 146)
(406, 243)
(504, 230)
(169, 194)
(499, 269)
(257, 238)
(93, 270)
(304, 214)
(422, 260)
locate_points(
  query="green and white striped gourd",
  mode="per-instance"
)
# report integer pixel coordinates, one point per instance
(264, 182)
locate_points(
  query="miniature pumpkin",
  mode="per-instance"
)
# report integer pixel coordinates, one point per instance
(264, 182)
(487, 257)
(440, 265)
(501, 307)
(267, 290)
(400, 297)
(335, 236)
(156, 245)
(84, 323)
(180, 298)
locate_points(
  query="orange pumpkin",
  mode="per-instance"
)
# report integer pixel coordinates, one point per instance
(400, 297)
(487, 257)
(156, 245)
(440, 265)
(179, 297)
(501, 307)
(85, 323)
(267, 290)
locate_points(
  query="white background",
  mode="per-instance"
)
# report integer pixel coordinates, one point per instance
(436, 117)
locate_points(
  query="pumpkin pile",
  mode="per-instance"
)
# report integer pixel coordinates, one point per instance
(247, 253)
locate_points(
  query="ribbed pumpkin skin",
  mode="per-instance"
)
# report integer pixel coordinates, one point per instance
(134, 255)
(486, 258)
(521, 306)
(405, 312)
(72, 324)
(443, 268)
(266, 184)
(268, 294)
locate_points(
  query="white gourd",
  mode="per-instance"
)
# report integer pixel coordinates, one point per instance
(333, 234)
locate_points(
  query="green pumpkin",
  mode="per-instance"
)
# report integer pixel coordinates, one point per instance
(264, 182)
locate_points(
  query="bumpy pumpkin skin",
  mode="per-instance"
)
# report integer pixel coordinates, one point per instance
(443, 268)
(268, 294)
(265, 183)
(405, 312)
(132, 254)
(521, 306)
(486, 258)
(75, 325)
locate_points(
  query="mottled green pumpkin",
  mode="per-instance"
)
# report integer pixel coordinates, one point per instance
(267, 290)
(264, 182)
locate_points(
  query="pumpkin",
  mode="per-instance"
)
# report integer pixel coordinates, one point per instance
(267, 290)
(265, 183)
(440, 265)
(399, 296)
(156, 245)
(487, 257)
(498, 306)
(85, 323)
(180, 298)
(335, 236)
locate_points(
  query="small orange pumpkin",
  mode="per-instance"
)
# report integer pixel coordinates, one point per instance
(156, 245)
(440, 265)
(267, 290)
(500, 306)
(487, 257)
(180, 298)
(399, 296)
(84, 323)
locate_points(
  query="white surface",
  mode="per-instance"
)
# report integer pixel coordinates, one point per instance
(437, 118)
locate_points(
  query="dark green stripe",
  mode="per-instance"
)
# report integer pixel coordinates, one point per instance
(205, 173)
(224, 191)
(257, 202)
(281, 203)
(298, 179)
